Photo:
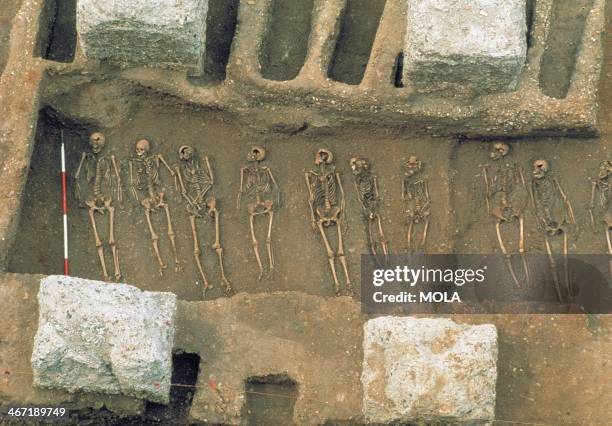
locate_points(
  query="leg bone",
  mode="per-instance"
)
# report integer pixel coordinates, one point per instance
(424, 236)
(177, 263)
(330, 257)
(255, 244)
(553, 268)
(196, 254)
(342, 258)
(522, 250)
(269, 243)
(383, 240)
(154, 239)
(219, 250)
(98, 244)
(409, 235)
(506, 255)
(112, 243)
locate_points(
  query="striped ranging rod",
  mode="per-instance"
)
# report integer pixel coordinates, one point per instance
(64, 203)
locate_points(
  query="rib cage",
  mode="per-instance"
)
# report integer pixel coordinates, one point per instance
(365, 188)
(544, 193)
(196, 181)
(366, 191)
(503, 180)
(418, 196)
(548, 211)
(325, 190)
(98, 175)
(146, 173)
(605, 193)
(152, 171)
(102, 175)
(258, 181)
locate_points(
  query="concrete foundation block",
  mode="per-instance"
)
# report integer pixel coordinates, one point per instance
(156, 33)
(428, 369)
(476, 44)
(100, 337)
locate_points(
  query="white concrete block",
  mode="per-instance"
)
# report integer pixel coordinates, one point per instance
(476, 44)
(166, 33)
(428, 368)
(101, 337)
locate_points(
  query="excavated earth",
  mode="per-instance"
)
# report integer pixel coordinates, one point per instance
(284, 349)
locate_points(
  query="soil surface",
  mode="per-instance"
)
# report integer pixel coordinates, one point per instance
(553, 369)
(8, 9)
(299, 255)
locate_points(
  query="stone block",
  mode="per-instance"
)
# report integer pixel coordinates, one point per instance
(476, 44)
(428, 368)
(156, 33)
(101, 337)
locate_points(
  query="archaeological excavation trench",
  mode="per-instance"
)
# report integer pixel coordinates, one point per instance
(279, 102)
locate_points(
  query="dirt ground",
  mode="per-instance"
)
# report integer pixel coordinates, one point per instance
(8, 8)
(301, 262)
(552, 369)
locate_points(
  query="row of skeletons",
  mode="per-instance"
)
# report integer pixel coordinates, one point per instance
(328, 208)
(415, 198)
(507, 198)
(195, 181)
(192, 179)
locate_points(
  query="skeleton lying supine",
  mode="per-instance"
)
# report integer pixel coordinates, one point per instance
(555, 215)
(601, 200)
(327, 209)
(100, 172)
(507, 197)
(147, 188)
(258, 185)
(366, 186)
(415, 195)
(194, 183)
(601, 203)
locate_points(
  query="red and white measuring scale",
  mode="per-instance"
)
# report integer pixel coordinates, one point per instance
(64, 203)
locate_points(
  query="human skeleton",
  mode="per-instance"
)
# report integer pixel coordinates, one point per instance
(328, 208)
(258, 184)
(506, 196)
(147, 188)
(555, 214)
(601, 199)
(415, 195)
(366, 185)
(194, 183)
(100, 172)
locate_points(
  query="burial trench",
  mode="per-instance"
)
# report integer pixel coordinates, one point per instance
(181, 122)
(170, 124)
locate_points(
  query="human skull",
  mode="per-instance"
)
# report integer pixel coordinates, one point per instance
(324, 156)
(143, 147)
(97, 141)
(500, 150)
(359, 165)
(412, 166)
(540, 167)
(257, 153)
(605, 170)
(186, 152)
